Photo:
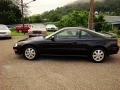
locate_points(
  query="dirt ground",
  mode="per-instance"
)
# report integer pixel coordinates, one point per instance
(56, 73)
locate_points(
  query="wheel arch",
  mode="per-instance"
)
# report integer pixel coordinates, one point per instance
(98, 47)
(101, 47)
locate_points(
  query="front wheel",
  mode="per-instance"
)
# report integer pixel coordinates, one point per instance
(98, 55)
(30, 53)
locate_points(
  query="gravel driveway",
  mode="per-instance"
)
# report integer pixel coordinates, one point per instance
(56, 73)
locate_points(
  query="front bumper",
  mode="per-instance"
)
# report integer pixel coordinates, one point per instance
(5, 36)
(17, 50)
(51, 29)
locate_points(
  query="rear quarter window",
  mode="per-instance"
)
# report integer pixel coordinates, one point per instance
(85, 35)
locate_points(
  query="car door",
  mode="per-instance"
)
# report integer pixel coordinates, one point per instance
(64, 42)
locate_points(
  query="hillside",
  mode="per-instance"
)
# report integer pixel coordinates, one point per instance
(111, 7)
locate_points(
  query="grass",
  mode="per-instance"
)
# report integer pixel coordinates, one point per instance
(14, 33)
(48, 33)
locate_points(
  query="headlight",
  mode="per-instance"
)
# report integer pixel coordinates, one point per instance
(9, 33)
(16, 45)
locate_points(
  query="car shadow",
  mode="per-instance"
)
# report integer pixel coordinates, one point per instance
(5, 38)
(110, 59)
(64, 58)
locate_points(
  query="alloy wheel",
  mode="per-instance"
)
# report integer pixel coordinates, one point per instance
(98, 55)
(30, 53)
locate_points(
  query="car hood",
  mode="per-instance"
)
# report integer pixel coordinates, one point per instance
(32, 39)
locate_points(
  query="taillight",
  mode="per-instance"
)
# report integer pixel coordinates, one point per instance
(117, 41)
(114, 41)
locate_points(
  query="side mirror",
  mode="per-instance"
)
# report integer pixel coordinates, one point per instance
(52, 38)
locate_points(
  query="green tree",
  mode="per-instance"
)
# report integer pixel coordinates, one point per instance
(76, 18)
(35, 19)
(9, 12)
(111, 7)
(52, 16)
(101, 25)
(99, 22)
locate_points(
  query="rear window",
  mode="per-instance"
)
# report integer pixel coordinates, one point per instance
(85, 35)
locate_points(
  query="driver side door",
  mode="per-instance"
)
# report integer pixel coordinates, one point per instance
(65, 42)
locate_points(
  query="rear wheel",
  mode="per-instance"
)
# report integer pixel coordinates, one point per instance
(30, 53)
(98, 55)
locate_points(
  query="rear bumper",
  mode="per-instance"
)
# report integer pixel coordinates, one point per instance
(113, 50)
(35, 35)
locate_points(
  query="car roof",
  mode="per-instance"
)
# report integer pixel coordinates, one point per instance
(93, 32)
(75, 28)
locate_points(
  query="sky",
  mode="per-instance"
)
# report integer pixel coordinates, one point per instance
(40, 6)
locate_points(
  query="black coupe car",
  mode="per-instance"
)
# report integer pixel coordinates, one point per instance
(69, 41)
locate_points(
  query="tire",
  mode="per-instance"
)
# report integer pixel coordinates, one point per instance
(98, 55)
(30, 53)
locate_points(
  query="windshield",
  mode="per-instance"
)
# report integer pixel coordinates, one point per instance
(3, 27)
(52, 34)
(50, 25)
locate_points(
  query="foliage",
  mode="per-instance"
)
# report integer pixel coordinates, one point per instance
(76, 18)
(99, 22)
(9, 12)
(51, 16)
(34, 19)
(101, 25)
(107, 27)
(111, 7)
(56, 15)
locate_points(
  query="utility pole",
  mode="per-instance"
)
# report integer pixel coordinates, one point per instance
(22, 11)
(91, 15)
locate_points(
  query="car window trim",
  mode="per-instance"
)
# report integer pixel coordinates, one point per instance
(70, 38)
(91, 36)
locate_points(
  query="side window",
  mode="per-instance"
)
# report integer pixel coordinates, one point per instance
(68, 34)
(85, 35)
